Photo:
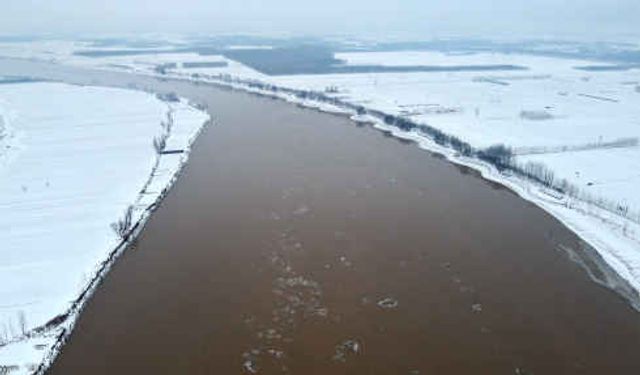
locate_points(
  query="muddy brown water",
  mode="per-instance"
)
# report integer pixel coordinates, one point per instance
(295, 242)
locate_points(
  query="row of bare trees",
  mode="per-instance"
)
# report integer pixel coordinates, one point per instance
(123, 226)
(160, 141)
(502, 157)
(616, 143)
(11, 329)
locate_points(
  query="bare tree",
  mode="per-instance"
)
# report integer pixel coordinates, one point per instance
(123, 226)
(160, 142)
(22, 322)
(4, 335)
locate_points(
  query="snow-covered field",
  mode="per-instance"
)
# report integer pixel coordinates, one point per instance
(62, 52)
(72, 160)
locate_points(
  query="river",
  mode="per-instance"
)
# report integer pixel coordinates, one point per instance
(296, 242)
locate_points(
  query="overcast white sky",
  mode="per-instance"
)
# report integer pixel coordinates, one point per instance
(593, 19)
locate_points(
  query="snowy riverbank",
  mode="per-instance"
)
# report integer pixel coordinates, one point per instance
(73, 159)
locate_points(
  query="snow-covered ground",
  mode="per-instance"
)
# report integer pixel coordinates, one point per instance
(61, 51)
(72, 160)
(48, 50)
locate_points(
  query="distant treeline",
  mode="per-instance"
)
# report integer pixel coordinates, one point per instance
(297, 59)
(205, 64)
(616, 143)
(17, 79)
(314, 59)
(607, 68)
(164, 68)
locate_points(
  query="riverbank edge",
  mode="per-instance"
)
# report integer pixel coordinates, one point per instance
(60, 327)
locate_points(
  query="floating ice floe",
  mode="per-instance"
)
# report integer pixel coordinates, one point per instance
(301, 210)
(345, 349)
(250, 366)
(388, 303)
